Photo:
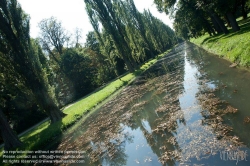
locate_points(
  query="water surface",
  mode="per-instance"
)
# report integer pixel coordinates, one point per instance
(188, 109)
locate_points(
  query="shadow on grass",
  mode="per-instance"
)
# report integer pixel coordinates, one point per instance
(43, 137)
(212, 39)
(242, 22)
(138, 72)
(125, 82)
(244, 28)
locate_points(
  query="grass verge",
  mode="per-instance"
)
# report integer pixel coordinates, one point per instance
(234, 46)
(41, 135)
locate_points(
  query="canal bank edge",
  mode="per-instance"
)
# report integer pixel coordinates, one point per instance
(234, 64)
(234, 47)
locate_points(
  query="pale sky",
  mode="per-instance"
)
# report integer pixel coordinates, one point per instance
(72, 13)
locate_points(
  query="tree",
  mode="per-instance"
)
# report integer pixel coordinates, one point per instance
(17, 50)
(53, 36)
(79, 68)
(214, 10)
(92, 42)
(101, 55)
(161, 36)
(227, 8)
(224, 8)
(6, 85)
(55, 41)
(245, 5)
(105, 12)
(127, 36)
(17, 101)
(136, 18)
(191, 21)
(10, 139)
(78, 36)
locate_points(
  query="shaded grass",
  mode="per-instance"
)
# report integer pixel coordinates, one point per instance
(45, 133)
(234, 46)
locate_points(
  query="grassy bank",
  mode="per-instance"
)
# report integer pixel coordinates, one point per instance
(43, 134)
(234, 46)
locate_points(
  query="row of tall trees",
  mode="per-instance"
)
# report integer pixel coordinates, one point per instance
(38, 76)
(193, 18)
(126, 36)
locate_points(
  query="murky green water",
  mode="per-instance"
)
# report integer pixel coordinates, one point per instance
(188, 109)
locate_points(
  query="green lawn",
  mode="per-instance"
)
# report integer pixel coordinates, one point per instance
(45, 133)
(234, 46)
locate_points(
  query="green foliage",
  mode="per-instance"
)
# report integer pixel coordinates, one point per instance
(17, 100)
(92, 42)
(53, 35)
(19, 51)
(128, 34)
(101, 56)
(162, 37)
(79, 68)
(165, 5)
(194, 18)
(191, 21)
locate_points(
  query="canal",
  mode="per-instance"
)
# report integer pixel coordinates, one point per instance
(190, 108)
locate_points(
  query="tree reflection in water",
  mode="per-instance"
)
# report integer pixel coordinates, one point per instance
(154, 105)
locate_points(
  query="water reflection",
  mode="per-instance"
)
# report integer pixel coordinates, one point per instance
(172, 115)
(232, 85)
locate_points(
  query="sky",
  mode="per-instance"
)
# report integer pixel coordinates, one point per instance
(72, 14)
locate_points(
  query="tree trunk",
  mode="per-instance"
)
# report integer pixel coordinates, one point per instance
(210, 34)
(227, 20)
(11, 140)
(244, 14)
(45, 101)
(243, 9)
(120, 47)
(148, 44)
(216, 25)
(211, 30)
(207, 26)
(127, 62)
(233, 21)
(220, 23)
(51, 109)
